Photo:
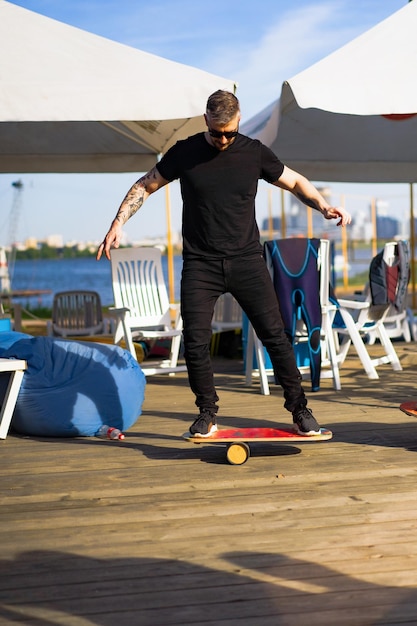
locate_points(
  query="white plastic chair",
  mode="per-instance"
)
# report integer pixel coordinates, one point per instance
(354, 331)
(16, 368)
(227, 314)
(398, 318)
(142, 308)
(362, 320)
(227, 317)
(398, 325)
(77, 313)
(329, 358)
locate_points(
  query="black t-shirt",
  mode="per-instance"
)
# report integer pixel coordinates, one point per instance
(218, 190)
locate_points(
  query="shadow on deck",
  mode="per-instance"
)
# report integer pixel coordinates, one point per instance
(157, 531)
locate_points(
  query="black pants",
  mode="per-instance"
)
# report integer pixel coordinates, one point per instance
(247, 279)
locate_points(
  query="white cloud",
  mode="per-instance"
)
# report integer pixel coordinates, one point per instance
(295, 40)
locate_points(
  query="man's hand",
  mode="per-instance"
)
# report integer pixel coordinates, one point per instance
(334, 213)
(305, 191)
(111, 240)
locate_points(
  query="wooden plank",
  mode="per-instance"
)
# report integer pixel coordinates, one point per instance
(154, 531)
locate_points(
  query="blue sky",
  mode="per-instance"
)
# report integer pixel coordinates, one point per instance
(259, 45)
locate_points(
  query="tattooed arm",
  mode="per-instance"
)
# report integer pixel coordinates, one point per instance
(135, 197)
(309, 195)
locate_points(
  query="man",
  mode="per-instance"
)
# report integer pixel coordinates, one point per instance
(219, 172)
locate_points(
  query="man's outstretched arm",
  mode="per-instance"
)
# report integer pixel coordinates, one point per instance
(307, 193)
(134, 199)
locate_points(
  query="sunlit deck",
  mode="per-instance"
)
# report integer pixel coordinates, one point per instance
(157, 531)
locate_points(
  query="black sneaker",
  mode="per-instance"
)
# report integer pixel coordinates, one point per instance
(204, 425)
(305, 422)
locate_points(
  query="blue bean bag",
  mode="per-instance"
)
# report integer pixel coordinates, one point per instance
(71, 388)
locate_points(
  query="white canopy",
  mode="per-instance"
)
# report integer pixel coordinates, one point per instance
(351, 117)
(71, 101)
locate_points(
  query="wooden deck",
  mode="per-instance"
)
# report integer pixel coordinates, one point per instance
(156, 531)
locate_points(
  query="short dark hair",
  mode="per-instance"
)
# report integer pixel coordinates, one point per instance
(222, 106)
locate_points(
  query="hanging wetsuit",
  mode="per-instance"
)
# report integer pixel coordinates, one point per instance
(294, 270)
(388, 284)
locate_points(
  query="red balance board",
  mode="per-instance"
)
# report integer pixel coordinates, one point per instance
(237, 439)
(409, 407)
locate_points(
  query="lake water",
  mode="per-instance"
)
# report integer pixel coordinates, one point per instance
(87, 273)
(67, 274)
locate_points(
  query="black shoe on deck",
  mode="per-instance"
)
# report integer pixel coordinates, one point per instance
(204, 425)
(305, 422)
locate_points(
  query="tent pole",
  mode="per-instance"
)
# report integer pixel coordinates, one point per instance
(374, 228)
(283, 222)
(270, 217)
(309, 222)
(412, 246)
(345, 249)
(170, 252)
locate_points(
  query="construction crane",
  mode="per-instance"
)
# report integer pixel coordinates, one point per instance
(13, 224)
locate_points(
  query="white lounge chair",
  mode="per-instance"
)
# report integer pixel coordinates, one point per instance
(142, 308)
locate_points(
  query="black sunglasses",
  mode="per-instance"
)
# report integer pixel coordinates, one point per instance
(218, 134)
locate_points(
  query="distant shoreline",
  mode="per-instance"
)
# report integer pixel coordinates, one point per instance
(67, 252)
